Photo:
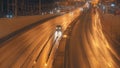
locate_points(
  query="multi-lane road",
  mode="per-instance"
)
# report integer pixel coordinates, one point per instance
(83, 44)
(34, 48)
(88, 47)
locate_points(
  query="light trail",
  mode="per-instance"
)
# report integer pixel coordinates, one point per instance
(100, 53)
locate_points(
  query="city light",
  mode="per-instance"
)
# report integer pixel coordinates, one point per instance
(112, 5)
(59, 34)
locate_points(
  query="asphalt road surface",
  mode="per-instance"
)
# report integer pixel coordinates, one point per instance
(88, 47)
(36, 47)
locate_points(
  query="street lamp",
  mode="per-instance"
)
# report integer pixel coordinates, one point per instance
(112, 5)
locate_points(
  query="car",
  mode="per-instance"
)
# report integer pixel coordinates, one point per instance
(117, 12)
(58, 28)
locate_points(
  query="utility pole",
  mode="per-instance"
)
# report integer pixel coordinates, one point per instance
(7, 6)
(39, 6)
(15, 7)
(22, 7)
(2, 5)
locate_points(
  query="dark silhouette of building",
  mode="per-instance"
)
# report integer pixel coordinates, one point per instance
(30, 7)
(20, 7)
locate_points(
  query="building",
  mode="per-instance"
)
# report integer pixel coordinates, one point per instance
(20, 7)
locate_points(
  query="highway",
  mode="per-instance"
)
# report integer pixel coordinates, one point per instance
(82, 37)
(35, 48)
(87, 46)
